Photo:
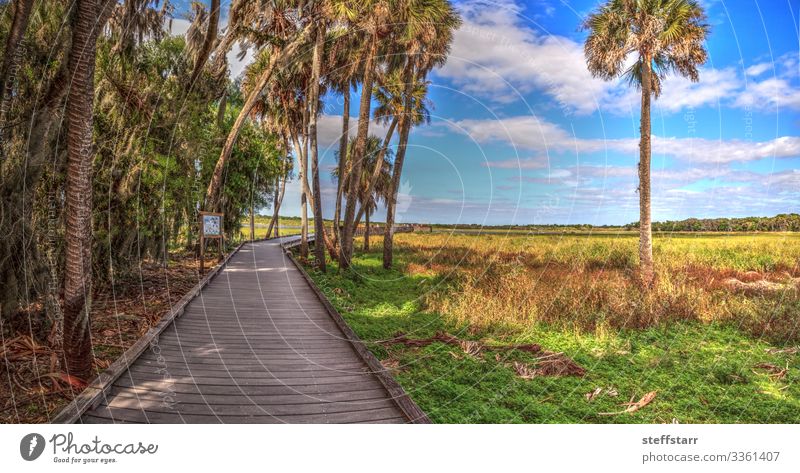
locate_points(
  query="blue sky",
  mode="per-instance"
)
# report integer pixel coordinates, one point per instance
(521, 133)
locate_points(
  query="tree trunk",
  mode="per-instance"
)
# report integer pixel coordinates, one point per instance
(366, 231)
(394, 187)
(78, 208)
(223, 103)
(342, 165)
(11, 55)
(645, 230)
(274, 206)
(278, 200)
(212, 193)
(346, 245)
(303, 196)
(316, 71)
(208, 44)
(252, 224)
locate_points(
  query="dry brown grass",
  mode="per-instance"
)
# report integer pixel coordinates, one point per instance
(588, 283)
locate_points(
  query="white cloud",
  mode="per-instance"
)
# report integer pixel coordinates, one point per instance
(329, 130)
(494, 53)
(758, 69)
(772, 92)
(716, 86)
(531, 133)
(497, 55)
(520, 163)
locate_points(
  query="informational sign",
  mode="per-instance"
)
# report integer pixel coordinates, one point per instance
(210, 229)
(212, 225)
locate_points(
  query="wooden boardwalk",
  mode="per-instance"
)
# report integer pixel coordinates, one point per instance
(257, 345)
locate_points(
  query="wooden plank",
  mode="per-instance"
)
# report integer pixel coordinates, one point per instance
(283, 399)
(223, 409)
(367, 382)
(178, 418)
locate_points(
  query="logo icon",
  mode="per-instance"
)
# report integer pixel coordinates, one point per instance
(31, 446)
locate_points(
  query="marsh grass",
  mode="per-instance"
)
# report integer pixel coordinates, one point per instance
(691, 339)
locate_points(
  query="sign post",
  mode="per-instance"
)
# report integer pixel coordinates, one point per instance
(210, 228)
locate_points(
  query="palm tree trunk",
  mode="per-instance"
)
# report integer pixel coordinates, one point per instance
(252, 223)
(276, 216)
(342, 163)
(645, 226)
(394, 187)
(346, 245)
(316, 71)
(11, 54)
(78, 208)
(212, 193)
(208, 44)
(366, 231)
(275, 206)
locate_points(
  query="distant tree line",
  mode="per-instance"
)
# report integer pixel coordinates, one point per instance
(778, 223)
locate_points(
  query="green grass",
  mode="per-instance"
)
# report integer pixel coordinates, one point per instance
(702, 372)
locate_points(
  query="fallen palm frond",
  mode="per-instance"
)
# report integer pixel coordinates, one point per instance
(773, 371)
(550, 364)
(470, 347)
(633, 406)
(546, 364)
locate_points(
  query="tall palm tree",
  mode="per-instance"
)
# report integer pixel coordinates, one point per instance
(314, 99)
(78, 195)
(665, 36)
(425, 30)
(390, 99)
(376, 24)
(342, 72)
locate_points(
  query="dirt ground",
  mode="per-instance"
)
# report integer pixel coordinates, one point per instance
(34, 390)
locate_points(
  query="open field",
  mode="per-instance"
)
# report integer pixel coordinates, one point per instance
(716, 340)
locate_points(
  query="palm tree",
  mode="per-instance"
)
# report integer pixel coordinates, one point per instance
(375, 155)
(426, 32)
(389, 96)
(78, 195)
(342, 72)
(666, 36)
(274, 23)
(314, 98)
(374, 192)
(375, 23)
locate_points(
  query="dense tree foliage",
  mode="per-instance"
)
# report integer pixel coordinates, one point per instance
(116, 134)
(154, 145)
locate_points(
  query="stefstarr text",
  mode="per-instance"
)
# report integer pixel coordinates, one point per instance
(666, 439)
